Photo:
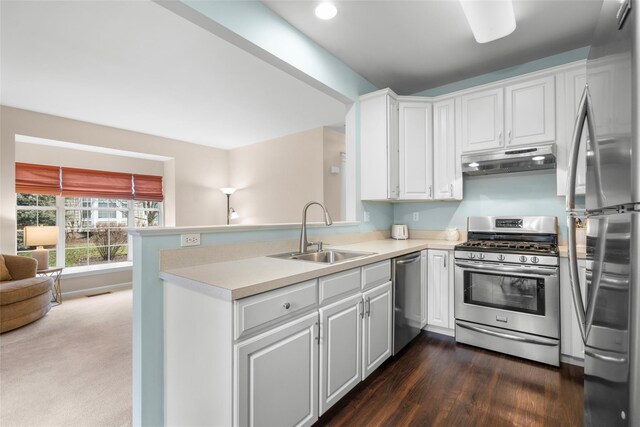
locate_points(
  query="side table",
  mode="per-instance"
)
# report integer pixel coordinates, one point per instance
(54, 272)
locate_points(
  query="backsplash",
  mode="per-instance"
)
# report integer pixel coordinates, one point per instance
(521, 193)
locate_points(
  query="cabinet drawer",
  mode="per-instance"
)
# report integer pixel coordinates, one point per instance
(376, 274)
(339, 284)
(259, 311)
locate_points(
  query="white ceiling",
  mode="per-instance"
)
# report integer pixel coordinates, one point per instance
(411, 46)
(135, 65)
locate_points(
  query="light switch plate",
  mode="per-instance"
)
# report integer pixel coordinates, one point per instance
(416, 216)
(190, 239)
(367, 216)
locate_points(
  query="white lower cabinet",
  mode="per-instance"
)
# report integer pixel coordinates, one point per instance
(278, 358)
(340, 349)
(377, 331)
(277, 376)
(355, 338)
(571, 344)
(439, 289)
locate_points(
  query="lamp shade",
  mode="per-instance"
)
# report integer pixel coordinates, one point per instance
(228, 190)
(40, 235)
(489, 19)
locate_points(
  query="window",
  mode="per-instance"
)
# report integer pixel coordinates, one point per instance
(94, 228)
(35, 209)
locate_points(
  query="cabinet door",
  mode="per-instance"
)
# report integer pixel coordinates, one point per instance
(574, 81)
(393, 172)
(444, 149)
(379, 147)
(530, 112)
(482, 120)
(570, 339)
(416, 150)
(277, 376)
(340, 349)
(423, 288)
(377, 324)
(438, 288)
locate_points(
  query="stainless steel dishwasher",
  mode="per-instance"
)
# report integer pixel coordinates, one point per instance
(407, 277)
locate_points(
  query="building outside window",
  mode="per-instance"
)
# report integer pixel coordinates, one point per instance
(94, 228)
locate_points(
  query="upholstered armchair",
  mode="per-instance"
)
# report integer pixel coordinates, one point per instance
(24, 298)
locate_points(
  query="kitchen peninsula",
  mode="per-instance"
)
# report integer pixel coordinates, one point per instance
(251, 325)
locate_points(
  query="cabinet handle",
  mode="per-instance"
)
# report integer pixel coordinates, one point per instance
(509, 136)
(500, 137)
(451, 187)
(368, 305)
(318, 334)
(444, 258)
(361, 304)
(286, 305)
(429, 191)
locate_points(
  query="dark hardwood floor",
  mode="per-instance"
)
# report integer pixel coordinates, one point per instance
(434, 382)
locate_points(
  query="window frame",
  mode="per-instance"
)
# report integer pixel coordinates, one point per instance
(61, 208)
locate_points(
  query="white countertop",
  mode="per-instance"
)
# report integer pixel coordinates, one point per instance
(245, 277)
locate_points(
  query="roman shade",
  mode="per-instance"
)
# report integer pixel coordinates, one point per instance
(37, 179)
(147, 187)
(93, 183)
(74, 182)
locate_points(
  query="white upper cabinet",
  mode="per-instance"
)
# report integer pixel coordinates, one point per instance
(482, 120)
(572, 82)
(530, 112)
(416, 150)
(379, 146)
(447, 176)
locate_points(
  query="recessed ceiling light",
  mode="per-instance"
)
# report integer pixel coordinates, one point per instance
(536, 158)
(326, 10)
(474, 165)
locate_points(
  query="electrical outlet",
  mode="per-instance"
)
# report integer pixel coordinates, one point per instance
(416, 216)
(367, 216)
(190, 239)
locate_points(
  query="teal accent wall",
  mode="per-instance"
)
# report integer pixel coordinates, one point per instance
(520, 193)
(255, 22)
(527, 67)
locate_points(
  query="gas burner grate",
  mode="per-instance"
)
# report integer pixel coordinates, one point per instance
(511, 246)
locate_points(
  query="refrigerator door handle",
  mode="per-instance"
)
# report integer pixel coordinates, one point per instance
(578, 302)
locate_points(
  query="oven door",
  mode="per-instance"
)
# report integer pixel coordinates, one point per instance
(523, 298)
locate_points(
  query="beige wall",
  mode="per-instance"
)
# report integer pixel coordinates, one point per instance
(275, 178)
(58, 156)
(192, 177)
(333, 146)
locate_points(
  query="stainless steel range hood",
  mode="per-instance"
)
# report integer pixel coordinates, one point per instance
(515, 159)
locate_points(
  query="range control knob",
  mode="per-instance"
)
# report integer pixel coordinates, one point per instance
(523, 258)
(501, 257)
(471, 255)
(480, 256)
(535, 259)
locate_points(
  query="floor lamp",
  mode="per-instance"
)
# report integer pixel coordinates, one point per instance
(231, 213)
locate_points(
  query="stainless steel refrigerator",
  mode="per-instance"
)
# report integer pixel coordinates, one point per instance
(609, 313)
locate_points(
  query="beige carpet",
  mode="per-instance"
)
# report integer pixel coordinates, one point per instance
(70, 368)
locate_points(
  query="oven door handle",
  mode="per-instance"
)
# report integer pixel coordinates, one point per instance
(504, 335)
(532, 271)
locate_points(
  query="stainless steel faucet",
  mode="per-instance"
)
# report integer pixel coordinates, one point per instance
(304, 243)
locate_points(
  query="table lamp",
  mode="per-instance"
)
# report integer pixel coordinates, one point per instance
(41, 236)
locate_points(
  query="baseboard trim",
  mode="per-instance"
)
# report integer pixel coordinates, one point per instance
(571, 360)
(440, 330)
(98, 290)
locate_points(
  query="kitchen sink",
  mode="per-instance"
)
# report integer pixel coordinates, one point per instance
(327, 257)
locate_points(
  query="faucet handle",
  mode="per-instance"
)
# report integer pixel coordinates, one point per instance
(317, 244)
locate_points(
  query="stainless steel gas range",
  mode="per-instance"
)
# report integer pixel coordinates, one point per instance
(507, 295)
